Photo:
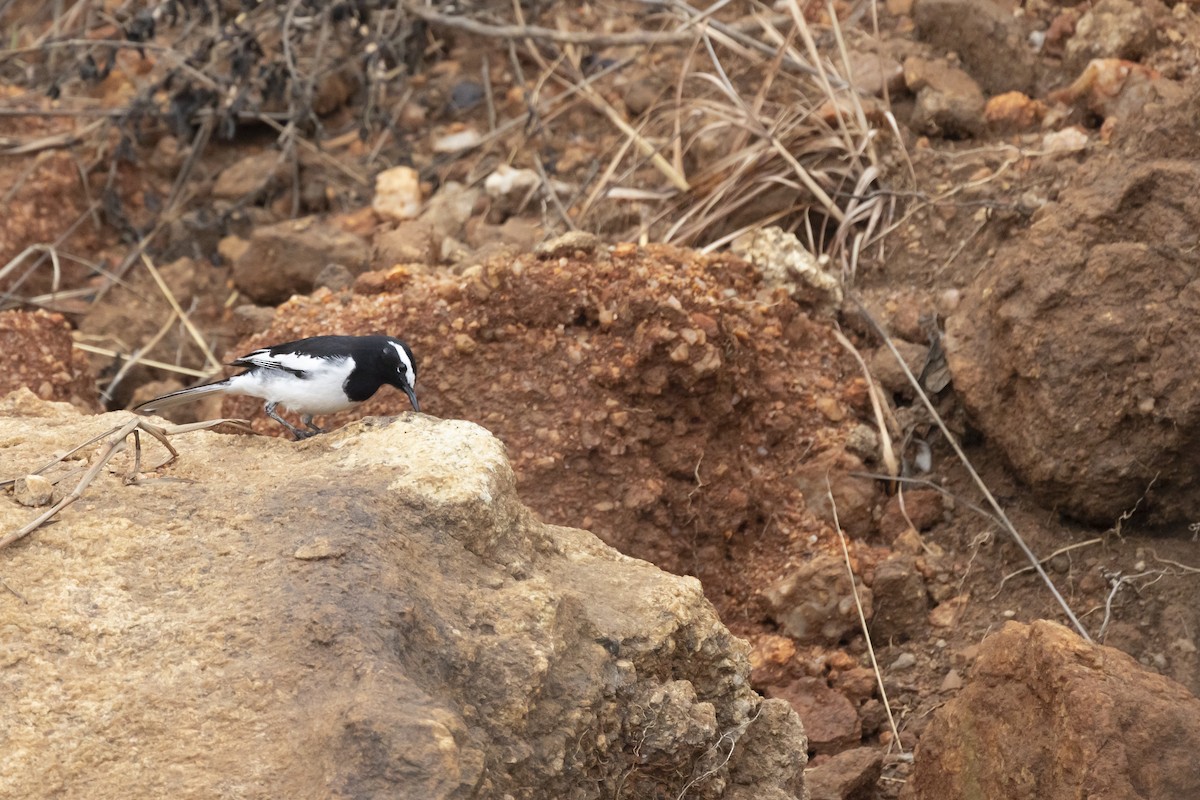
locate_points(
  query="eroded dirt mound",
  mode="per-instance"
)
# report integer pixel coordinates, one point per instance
(38, 354)
(666, 400)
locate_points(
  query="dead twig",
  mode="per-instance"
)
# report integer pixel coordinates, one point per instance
(862, 618)
(1057, 552)
(12, 146)
(882, 412)
(183, 318)
(137, 359)
(1118, 582)
(1181, 566)
(962, 457)
(468, 25)
(116, 440)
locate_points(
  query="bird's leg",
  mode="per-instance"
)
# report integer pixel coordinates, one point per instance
(299, 434)
(307, 420)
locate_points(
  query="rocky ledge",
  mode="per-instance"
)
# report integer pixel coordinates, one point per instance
(370, 613)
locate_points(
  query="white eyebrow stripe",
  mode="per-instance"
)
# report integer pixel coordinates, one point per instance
(410, 374)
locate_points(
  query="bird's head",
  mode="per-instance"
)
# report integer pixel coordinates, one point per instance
(403, 374)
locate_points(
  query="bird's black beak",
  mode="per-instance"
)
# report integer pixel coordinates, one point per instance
(412, 397)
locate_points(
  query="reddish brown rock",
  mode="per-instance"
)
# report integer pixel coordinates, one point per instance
(888, 372)
(1084, 375)
(1111, 29)
(1047, 715)
(922, 507)
(949, 101)
(851, 775)
(771, 659)
(815, 602)
(986, 37)
(853, 499)
(830, 721)
(606, 414)
(857, 683)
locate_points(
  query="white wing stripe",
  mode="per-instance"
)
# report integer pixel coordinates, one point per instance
(292, 362)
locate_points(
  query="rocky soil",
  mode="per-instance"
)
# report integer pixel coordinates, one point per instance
(1021, 192)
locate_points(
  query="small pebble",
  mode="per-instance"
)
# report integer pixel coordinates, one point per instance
(33, 491)
(465, 95)
(397, 193)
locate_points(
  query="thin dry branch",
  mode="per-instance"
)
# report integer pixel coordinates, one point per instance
(862, 618)
(137, 359)
(1058, 552)
(882, 412)
(116, 439)
(183, 318)
(12, 146)
(534, 32)
(962, 457)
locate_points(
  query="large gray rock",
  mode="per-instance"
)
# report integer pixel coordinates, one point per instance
(369, 613)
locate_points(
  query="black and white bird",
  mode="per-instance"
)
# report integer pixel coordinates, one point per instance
(318, 375)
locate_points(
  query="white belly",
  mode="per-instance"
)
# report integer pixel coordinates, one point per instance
(319, 392)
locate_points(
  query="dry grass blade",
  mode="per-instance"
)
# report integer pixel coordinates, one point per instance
(183, 318)
(137, 359)
(755, 148)
(522, 32)
(882, 413)
(20, 257)
(643, 146)
(979, 483)
(738, 35)
(862, 618)
(753, 121)
(1060, 551)
(116, 439)
(16, 147)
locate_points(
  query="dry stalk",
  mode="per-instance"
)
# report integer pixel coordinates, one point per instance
(879, 406)
(643, 145)
(962, 457)
(533, 32)
(1184, 567)
(1058, 552)
(183, 318)
(136, 358)
(56, 276)
(1116, 587)
(879, 476)
(862, 618)
(116, 440)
